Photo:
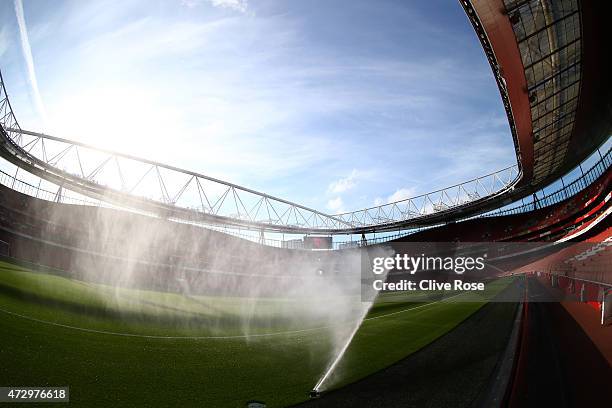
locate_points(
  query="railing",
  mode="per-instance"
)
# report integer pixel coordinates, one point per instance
(14, 183)
(569, 190)
(31, 190)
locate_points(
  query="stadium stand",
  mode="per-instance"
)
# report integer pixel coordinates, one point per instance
(93, 243)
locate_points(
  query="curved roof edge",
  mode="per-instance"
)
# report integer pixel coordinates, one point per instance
(552, 61)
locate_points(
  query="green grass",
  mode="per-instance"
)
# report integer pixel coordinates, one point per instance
(37, 348)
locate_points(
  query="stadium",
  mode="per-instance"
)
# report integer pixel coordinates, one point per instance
(130, 281)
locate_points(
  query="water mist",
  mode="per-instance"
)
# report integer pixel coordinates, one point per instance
(228, 286)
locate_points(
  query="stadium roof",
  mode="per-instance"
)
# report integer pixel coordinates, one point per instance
(551, 59)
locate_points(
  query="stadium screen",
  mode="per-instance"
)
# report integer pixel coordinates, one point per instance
(318, 242)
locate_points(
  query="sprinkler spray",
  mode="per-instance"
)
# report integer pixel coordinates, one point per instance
(315, 393)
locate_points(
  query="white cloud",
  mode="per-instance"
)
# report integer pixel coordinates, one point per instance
(236, 5)
(401, 194)
(344, 184)
(227, 104)
(336, 205)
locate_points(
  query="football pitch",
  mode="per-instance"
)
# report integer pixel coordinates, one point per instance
(124, 347)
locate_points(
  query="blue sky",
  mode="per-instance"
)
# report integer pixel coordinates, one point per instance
(334, 104)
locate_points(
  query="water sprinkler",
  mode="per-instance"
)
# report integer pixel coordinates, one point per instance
(315, 393)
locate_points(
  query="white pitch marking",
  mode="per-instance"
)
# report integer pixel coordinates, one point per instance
(206, 337)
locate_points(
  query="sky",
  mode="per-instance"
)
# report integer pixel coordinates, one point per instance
(334, 104)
